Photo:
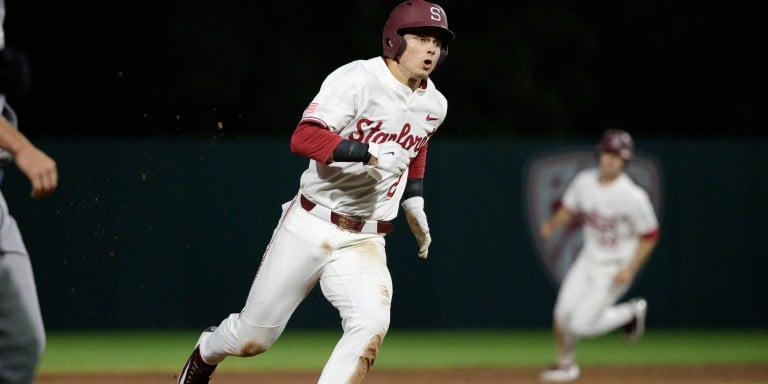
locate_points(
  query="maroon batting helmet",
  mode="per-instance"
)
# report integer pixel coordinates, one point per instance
(414, 14)
(618, 142)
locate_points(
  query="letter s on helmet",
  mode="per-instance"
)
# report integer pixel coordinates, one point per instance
(414, 14)
(618, 142)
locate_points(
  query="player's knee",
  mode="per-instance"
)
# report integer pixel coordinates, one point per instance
(371, 322)
(253, 340)
(581, 327)
(367, 328)
(579, 330)
(370, 332)
(367, 325)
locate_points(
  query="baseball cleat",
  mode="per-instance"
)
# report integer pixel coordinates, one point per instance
(636, 328)
(197, 371)
(561, 374)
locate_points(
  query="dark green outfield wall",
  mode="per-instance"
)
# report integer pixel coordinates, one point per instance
(169, 233)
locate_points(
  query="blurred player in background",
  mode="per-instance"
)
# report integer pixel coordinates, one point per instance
(22, 335)
(620, 230)
(366, 134)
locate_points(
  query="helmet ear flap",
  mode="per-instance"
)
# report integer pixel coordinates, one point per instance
(443, 55)
(394, 46)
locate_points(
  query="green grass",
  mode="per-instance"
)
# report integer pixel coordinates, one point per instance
(109, 351)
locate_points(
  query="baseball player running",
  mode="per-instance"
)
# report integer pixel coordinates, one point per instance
(366, 134)
(22, 334)
(620, 231)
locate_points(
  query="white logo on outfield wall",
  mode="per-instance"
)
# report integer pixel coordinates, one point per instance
(547, 176)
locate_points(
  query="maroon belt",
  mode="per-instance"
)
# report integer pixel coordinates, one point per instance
(342, 221)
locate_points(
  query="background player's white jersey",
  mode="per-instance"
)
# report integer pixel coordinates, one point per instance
(363, 101)
(614, 215)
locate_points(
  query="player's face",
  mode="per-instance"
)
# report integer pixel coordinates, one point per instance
(611, 165)
(421, 53)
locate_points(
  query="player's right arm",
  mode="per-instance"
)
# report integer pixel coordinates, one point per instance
(314, 141)
(567, 208)
(39, 168)
(561, 218)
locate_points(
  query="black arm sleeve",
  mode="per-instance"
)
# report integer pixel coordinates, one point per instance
(351, 151)
(413, 187)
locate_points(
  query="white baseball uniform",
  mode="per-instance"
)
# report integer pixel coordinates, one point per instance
(615, 216)
(332, 231)
(22, 332)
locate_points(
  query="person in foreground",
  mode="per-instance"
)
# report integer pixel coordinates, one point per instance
(620, 231)
(366, 134)
(22, 331)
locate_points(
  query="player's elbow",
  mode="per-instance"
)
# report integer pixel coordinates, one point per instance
(295, 144)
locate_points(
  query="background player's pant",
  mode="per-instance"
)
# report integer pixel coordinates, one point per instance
(22, 336)
(354, 277)
(585, 303)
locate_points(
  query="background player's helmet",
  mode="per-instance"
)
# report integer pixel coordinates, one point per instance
(414, 14)
(618, 142)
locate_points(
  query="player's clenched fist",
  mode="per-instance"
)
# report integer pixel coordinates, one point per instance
(546, 229)
(417, 220)
(389, 156)
(40, 169)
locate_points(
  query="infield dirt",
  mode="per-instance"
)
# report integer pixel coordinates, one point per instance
(742, 374)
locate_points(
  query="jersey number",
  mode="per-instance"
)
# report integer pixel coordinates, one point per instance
(393, 187)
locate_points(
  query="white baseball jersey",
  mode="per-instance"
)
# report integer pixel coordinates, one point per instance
(10, 115)
(7, 112)
(363, 101)
(615, 215)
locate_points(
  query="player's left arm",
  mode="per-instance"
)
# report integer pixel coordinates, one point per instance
(413, 203)
(40, 169)
(646, 224)
(645, 247)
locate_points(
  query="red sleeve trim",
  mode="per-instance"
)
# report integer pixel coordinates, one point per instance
(418, 164)
(652, 235)
(312, 140)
